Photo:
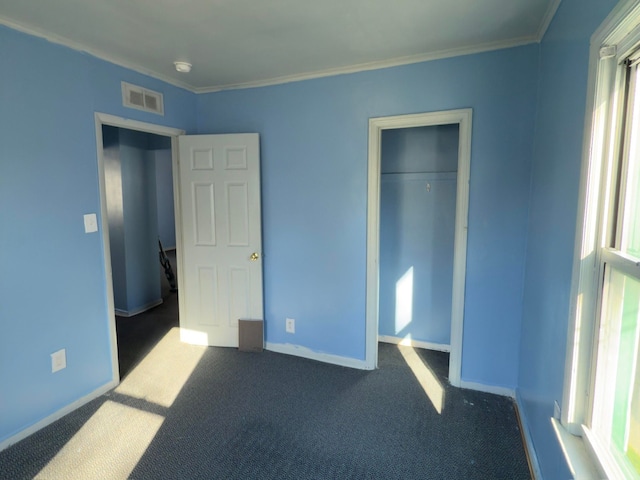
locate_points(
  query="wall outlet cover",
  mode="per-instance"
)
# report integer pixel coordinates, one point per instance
(290, 325)
(58, 360)
(90, 223)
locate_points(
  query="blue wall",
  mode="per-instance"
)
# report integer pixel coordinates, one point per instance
(115, 213)
(420, 149)
(161, 152)
(53, 286)
(314, 167)
(314, 195)
(164, 190)
(552, 219)
(417, 227)
(140, 221)
(135, 208)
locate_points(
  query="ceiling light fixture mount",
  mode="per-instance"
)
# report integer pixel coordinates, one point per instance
(182, 67)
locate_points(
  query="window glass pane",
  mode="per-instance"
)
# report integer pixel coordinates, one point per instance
(620, 422)
(633, 445)
(631, 211)
(631, 226)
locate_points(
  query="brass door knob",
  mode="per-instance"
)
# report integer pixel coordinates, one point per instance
(254, 256)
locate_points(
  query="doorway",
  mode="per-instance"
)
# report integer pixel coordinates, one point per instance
(453, 121)
(103, 120)
(418, 173)
(140, 215)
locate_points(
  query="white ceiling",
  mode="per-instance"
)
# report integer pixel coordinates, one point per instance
(234, 43)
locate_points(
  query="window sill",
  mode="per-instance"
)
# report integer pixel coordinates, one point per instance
(575, 451)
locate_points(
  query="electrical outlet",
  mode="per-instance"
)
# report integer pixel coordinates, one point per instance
(58, 360)
(291, 325)
(90, 223)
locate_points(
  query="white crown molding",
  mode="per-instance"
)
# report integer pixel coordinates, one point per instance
(546, 20)
(53, 38)
(377, 65)
(329, 72)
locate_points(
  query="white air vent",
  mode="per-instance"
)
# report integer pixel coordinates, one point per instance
(140, 98)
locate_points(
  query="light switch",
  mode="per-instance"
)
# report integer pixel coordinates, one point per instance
(90, 223)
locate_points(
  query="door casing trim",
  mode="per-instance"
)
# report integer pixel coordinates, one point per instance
(121, 122)
(462, 117)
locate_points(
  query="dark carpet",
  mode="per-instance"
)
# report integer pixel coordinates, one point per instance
(139, 334)
(272, 416)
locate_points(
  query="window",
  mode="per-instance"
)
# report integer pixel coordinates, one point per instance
(602, 391)
(614, 426)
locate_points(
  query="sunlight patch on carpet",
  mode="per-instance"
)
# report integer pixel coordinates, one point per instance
(425, 376)
(160, 376)
(112, 442)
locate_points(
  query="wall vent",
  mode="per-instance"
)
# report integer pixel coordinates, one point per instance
(140, 98)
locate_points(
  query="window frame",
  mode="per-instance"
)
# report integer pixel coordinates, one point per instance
(613, 42)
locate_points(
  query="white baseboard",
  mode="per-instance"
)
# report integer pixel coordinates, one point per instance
(495, 389)
(532, 457)
(136, 311)
(56, 415)
(297, 351)
(440, 347)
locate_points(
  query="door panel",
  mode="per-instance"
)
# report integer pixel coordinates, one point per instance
(238, 214)
(221, 230)
(203, 213)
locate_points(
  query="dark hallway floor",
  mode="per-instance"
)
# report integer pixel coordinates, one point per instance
(137, 335)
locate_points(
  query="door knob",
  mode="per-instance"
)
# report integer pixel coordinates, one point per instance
(254, 256)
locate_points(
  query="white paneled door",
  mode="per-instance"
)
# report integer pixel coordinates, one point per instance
(221, 236)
